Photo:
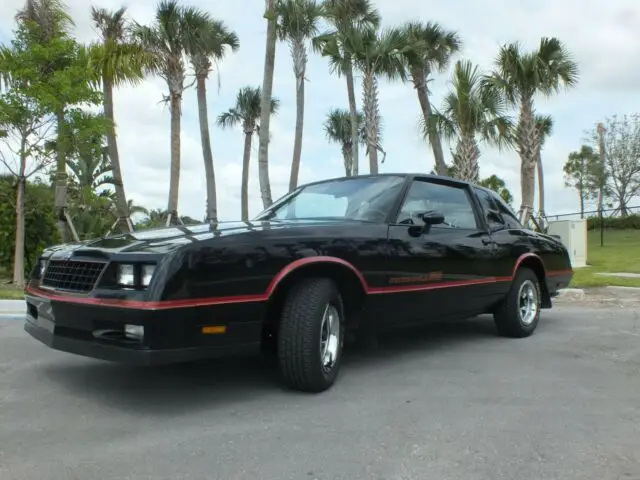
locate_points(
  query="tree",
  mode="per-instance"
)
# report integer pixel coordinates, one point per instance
(472, 109)
(89, 163)
(337, 128)
(271, 15)
(118, 60)
(544, 128)
(50, 57)
(499, 186)
(39, 223)
(206, 46)
(580, 173)
(376, 54)
(346, 17)
(621, 158)
(522, 75)
(166, 40)
(25, 129)
(246, 113)
(298, 22)
(431, 48)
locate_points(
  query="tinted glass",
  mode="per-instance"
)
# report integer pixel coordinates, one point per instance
(510, 218)
(366, 198)
(488, 205)
(452, 202)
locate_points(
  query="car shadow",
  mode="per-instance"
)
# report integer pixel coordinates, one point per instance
(175, 389)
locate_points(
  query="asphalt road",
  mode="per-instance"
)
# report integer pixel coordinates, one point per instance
(443, 403)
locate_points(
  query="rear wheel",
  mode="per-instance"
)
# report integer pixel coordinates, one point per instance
(310, 337)
(518, 314)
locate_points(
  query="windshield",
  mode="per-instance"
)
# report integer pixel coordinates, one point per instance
(363, 198)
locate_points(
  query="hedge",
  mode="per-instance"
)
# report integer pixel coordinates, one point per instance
(616, 223)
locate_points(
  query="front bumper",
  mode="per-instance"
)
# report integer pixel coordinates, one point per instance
(171, 336)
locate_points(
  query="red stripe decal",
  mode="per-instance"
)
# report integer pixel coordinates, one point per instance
(200, 302)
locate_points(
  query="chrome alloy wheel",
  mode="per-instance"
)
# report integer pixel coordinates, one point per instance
(527, 302)
(329, 337)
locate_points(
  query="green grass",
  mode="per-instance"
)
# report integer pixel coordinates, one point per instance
(9, 292)
(620, 253)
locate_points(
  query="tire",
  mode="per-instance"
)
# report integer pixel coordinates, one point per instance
(510, 319)
(302, 324)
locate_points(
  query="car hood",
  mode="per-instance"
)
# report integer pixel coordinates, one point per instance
(166, 239)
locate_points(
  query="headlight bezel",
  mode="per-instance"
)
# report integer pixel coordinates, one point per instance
(134, 275)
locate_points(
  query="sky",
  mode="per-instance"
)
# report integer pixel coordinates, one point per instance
(603, 37)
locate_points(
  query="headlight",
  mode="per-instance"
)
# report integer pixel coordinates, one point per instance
(126, 275)
(147, 273)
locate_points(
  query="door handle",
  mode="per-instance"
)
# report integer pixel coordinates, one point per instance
(488, 241)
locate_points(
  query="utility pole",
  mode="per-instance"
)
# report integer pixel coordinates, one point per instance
(601, 132)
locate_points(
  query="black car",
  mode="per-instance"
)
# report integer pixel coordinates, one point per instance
(362, 254)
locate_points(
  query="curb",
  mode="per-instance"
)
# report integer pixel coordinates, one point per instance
(626, 289)
(12, 307)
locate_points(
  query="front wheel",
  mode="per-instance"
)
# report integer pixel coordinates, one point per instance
(311, 334)
(518, 314)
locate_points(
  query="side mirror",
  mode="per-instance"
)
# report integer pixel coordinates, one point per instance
(432, 217)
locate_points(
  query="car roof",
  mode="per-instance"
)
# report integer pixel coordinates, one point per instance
(404, 175)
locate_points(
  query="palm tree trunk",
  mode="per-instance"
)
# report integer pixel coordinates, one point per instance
(371, 118)
(174, 182)
(244, 187)
(18, 253)
(265, 106)
(348, 162)
(420, 84)
(299, 55)
(527, 143)
(207, 155)
(112, 146)
(60, 200)
(467, 155)
(353, 115)
(540, 185)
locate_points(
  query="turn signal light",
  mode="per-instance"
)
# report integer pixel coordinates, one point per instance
(214, 329)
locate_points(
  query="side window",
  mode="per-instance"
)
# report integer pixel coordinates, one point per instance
(489, 205)
(508, 216)
(452, 202)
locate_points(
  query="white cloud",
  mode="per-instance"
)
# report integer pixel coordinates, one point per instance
(603, 37)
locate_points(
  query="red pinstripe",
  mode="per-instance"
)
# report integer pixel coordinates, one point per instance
(262, 297)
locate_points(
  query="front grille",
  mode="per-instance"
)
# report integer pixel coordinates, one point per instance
(71, 275)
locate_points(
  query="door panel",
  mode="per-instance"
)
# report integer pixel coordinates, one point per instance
(440, 271)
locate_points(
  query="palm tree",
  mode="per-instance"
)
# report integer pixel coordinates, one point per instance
(118, 61)
(271, 14)
(167, 40)
(133, 208)
(91, 171)
(337, 128)
(207, 46)
(346, 17)
(472, 109)
(521, 75)
(297, 22)
(246, 112)
(544, 128)
(374, 54)
(431, 48)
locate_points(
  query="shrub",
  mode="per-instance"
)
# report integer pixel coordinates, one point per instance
(616, 223)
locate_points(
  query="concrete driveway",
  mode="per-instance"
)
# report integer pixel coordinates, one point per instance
(446, 402)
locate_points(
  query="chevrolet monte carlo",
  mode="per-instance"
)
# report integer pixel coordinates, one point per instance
(362, 254)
